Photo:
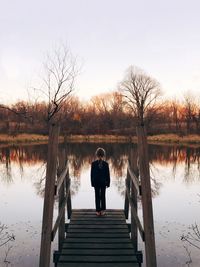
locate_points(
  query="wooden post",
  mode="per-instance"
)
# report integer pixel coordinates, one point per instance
(134, 167)
(127, 191)
(61, 194)
(45, 249)
(146, 197)
(69, 203)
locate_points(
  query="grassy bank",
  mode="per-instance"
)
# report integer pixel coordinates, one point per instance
(165, 138)
(22, 138)
(174, 139)
(100, 138)
(34, 138)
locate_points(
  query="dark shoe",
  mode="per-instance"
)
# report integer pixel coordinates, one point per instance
(98, 213)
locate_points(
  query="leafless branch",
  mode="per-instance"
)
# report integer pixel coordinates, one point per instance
(20, 113)
(5, 237)
(61, 70)
(189, 261)
(6, 261)
(193, 238)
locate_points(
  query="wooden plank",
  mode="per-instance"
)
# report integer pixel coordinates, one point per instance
(134, 230)
(94, 259)
(61, 228)
(61, 198)
(98, 218)
(98, 245)
(98, 222)
(137, 220)
(97, 230)
(60, 215)
(61, 178)
(134, 178)
(88, 264)
(126, 201)
(97, 240)
(68, 251)
(133, 164)
(97, 235)
(94, 217)
(79, 230)
(93, 210)
(69, 204)
(93, 214)
(100, 226)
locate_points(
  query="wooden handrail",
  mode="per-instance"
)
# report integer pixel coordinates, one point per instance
(61, 188)
(45, 248)
(61, 178)
(147, 206)
(134, 179)
(59, 217)
(134, 213)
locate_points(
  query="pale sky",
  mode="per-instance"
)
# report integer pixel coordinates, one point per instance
(161, 37)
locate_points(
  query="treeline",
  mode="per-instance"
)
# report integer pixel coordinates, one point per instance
(103, 114)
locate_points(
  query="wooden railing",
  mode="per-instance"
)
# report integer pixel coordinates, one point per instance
(138, 185)
(62, 190)
(133, 189)
(57, 185)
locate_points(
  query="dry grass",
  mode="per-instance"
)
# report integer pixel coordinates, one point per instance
(164, 138)
(173, 138)
(22, 138)
(98, 138)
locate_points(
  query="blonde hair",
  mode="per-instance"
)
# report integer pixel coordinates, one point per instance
(100, 152)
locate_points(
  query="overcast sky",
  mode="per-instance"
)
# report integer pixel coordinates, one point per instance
(161, 37)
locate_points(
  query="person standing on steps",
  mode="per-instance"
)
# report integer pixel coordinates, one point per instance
(100, 179)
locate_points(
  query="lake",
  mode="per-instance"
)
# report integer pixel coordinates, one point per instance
(175, 172)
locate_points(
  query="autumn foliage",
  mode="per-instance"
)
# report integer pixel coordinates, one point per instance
(103, 114)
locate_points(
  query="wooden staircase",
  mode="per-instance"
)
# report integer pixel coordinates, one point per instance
(97, 241)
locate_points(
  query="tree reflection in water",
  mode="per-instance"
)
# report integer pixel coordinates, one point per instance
(5, 166)
(81, 155)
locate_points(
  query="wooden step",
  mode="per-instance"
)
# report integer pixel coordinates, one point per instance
(89, 264)
(98, 258)
(98, 245)
(93, 241)
(67, 251)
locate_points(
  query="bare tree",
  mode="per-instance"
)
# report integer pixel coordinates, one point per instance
(59, 80)
(140, 92)
(60, 71)
(190, 108)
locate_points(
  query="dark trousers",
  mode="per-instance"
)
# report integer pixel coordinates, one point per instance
(100, 198)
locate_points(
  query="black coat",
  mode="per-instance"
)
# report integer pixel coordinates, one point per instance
(100, 174)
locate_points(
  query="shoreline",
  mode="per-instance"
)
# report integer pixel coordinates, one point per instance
(170, 139)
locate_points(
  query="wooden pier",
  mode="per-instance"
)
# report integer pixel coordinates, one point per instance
(97, 241)
(87, 240)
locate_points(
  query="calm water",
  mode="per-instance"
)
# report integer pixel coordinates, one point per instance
(175, 175)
